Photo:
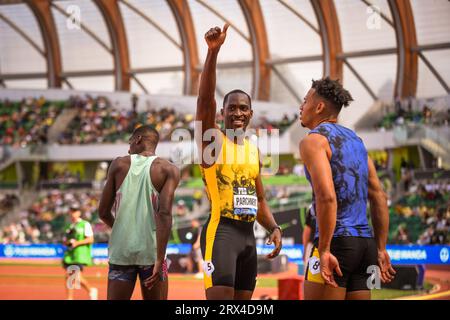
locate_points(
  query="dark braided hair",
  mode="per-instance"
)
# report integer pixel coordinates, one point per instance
(333, 92)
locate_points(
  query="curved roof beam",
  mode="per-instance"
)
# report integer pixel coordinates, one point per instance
(331, 38)
(408, 59)
(183, 17)
(260, 47)
(113, 18)
(44, 17)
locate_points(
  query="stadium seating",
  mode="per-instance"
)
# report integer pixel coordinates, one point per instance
(27, 122)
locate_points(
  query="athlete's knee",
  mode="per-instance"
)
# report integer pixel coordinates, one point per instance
(220, 293)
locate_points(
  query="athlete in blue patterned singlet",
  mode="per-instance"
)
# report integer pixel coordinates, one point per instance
(343, 179)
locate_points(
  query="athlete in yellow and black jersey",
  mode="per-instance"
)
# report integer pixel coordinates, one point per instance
(232, 179)
(227, 242)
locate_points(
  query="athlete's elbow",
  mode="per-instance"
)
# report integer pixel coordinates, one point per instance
(102, 213)
(325, 198)
(378, 196)
(167, 214)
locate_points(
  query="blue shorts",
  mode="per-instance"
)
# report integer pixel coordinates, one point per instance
(130, 273)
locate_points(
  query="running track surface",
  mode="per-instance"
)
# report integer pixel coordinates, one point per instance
(439, 276)
(40, 281)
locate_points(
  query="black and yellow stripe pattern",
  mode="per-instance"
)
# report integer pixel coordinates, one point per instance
(237, 166)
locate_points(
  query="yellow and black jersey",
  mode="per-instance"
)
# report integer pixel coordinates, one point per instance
(230, 181)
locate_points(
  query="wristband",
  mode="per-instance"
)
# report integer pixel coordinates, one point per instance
(276, 227)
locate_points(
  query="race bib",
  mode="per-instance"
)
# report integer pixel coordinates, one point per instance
(244, 203)
(208, 268)
(314, 265)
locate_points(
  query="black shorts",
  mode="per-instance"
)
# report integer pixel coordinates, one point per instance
(73, 265)
(354, 254)
(229, 254)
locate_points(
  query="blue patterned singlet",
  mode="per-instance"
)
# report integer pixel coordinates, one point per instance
(350, 177)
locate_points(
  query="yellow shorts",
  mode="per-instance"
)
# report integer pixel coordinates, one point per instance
(313, 268)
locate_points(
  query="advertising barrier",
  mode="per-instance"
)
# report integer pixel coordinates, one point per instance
(400, 254)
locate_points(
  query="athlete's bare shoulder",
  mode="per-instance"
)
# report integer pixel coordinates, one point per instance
(120, 164)
(312, 144)
(163, 170)
(164, 166)
(313, 141)
(123, 161)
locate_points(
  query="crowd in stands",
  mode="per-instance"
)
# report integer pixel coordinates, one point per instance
(98, 121)
(282, 125)
(422, 216)
(27, 122)
(411, 111)
(45, 220)
(7, 202)
(64, 176)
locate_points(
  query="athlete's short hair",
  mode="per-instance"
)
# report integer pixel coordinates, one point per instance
(333, 92)
(236, 91)
(147, 131)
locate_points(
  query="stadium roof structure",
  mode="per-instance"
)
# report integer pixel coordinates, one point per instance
(380, 49)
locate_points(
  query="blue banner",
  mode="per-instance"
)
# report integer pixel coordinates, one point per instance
(416, 254)
(400, 254)
(99, 250)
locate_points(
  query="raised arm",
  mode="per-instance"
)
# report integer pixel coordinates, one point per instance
(206, 103)
(380, 221)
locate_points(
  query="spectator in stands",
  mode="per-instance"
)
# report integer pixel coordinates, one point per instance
(442, 226)
(402, 236)
(426, 114)
(406, 174)
(27, 122)
(426, 237)
(181, 209)
(134, 101)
